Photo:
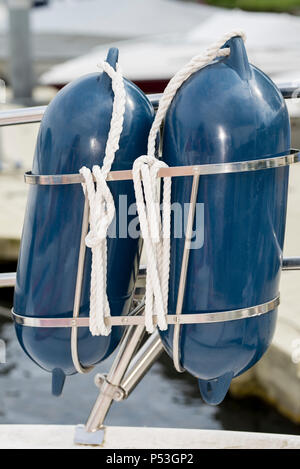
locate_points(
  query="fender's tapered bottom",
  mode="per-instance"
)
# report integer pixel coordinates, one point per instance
(213, 391)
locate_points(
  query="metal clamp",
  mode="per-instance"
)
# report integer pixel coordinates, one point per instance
(175, 171)
(111, 390)
(139, 320)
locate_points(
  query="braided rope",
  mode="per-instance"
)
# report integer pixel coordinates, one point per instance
(156, 234)
(102, 207)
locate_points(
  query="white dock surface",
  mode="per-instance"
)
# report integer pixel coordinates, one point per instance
(61, 437)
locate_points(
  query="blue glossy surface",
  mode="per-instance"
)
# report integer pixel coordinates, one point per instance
(228, 111)
(73, 133)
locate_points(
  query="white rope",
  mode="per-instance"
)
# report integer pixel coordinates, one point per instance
(102, 207)
(156, 235)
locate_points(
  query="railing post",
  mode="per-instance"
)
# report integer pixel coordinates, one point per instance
(21, 69)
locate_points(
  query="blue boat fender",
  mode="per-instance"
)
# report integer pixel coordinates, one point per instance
(73, 134)
(228, 111)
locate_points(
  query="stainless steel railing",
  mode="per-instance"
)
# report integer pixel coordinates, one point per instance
(8, 279)
(31, 115)
(34, 114)
(126, 371)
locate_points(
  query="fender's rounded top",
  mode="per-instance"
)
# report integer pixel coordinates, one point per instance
(67, 136)
(222, 106)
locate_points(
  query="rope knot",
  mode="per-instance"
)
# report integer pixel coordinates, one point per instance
(156, 230)
(94, 238)
(145, 169)
(142, 161)
(102, 207)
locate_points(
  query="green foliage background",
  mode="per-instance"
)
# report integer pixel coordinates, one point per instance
(259, 5)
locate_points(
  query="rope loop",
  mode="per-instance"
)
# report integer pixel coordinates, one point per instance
(155, 228)
(102, 207)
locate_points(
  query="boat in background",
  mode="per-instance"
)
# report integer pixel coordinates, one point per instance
(151, 61)
(63, 30)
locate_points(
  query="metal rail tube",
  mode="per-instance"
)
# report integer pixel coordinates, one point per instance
(28, 115)
(31, 115)
(141, 363)
(289, 263)
(127, 348)
(8, 279)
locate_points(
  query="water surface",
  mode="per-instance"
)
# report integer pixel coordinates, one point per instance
(164, 398)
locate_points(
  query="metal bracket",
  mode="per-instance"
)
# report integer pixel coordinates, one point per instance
(139, 320)
(111, 386)
(183, 273)
(126, 372)
(111, 390)
(139, 365)
(174, 171)
(77, 296)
